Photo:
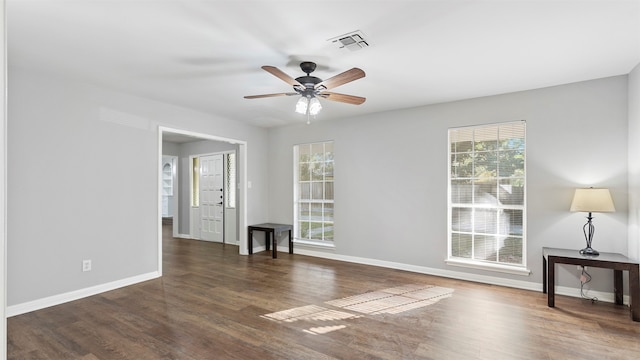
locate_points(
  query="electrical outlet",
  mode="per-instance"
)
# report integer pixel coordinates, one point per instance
(86, 265)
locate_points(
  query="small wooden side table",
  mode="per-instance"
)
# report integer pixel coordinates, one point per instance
(270, 231)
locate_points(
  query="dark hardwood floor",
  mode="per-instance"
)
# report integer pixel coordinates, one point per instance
(212, 303)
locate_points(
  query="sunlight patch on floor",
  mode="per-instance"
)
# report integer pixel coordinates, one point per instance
(324, 329)
(309, 312)
(393, 300)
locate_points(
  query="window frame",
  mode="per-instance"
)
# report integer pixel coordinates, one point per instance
(519, 268)
(323, 242)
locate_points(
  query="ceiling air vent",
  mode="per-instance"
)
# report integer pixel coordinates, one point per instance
(351, 41)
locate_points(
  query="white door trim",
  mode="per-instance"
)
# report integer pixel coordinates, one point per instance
(176, 197)
(242, 179)
(194, 221)
(3, 183)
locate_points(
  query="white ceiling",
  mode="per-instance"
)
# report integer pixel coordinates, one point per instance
(207, 54)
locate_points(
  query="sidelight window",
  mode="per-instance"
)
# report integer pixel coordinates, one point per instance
(230, 180)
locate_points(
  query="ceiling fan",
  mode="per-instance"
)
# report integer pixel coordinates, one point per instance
(310, 88)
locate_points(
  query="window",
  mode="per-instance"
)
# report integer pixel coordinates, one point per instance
(313, 193)
(487, 194)
(230, 180)
(195, 181)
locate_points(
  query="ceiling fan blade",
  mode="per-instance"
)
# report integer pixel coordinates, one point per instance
(281, 75)
(270, 95)
(341, 79)
(349, 99)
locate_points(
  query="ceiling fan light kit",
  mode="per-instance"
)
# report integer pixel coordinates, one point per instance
(301, 105)
(314, 106)
(310, 88)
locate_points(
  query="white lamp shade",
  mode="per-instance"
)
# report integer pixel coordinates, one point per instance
(301, 105)
(314, 106)
(592, 200)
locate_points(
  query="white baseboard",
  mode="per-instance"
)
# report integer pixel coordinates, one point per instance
(485, 279)
(258, 249)
(23, 308)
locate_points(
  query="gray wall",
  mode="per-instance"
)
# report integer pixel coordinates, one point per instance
(98, 151)
(634, 163)
(391, 175)
(3, 173)
(83, 182)
(170, 148)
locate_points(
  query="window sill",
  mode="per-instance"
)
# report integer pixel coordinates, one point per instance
(489, 267)
(318, 244)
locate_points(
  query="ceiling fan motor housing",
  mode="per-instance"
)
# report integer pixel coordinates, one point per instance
(308, 81)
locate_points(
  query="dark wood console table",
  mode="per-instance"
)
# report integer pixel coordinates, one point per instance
(616, 262)
(270, 231)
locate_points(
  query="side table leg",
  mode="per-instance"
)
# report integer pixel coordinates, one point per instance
(544, 275)
(250, 240)
(290, 243)
(551, 281)
(275, 244)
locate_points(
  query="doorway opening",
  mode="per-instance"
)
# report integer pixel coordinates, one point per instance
(185, 145)
(169, 176)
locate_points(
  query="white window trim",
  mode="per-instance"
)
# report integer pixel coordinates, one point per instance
(509, 269)
(316, 243)
(516, 269)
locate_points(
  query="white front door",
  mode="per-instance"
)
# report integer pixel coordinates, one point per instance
(211, 198)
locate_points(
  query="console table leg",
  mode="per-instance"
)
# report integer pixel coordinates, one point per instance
(290, 243)
(618, 287)
(250, 239)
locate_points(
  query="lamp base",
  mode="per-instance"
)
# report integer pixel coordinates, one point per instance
(589, 252)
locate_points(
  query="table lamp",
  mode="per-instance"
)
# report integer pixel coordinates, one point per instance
(591, 200)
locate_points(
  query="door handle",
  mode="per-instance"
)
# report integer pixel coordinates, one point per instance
(220, 203)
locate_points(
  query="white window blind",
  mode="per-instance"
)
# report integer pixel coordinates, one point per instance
(487, 194)
(313, 193)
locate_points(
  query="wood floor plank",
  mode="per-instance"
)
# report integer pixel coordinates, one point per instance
(211, 303)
